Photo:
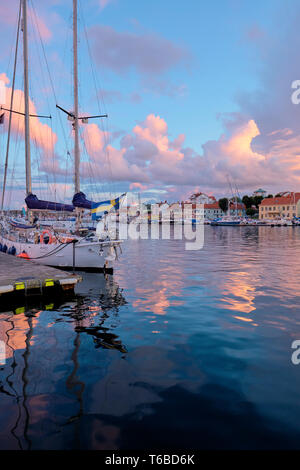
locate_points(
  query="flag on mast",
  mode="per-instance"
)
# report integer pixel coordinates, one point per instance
(98, 208)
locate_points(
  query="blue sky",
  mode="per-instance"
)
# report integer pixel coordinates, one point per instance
(164, 69)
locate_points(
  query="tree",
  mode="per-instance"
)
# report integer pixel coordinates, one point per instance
(235, 199)
(251, 211)
(248, 201)
(269, 196)
(223, 204)
(257, 200)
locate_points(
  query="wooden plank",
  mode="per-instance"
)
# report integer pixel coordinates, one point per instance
(19, 276)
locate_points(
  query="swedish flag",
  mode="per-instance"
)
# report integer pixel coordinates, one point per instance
(98, 208)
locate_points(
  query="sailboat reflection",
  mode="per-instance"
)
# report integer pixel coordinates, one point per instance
(38, 343)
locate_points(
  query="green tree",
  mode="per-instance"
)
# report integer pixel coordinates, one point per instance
(248, 201)
(269, 196)
(251, 211)
(223, 203)
(257, 200)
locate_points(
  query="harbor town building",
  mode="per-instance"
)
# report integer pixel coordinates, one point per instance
(260, 192)
(286, 206)
(213, 211)
(202, 198)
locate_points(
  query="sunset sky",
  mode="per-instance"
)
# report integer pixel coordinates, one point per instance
(197, 92)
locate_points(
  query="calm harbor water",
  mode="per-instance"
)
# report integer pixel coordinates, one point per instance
(179, 349)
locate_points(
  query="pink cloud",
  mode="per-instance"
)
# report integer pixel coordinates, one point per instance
(9, 14)
(41, 133)
(148, 155)
(40, 24)
(135, 98)
(104, 3)
(111, 96)
(139, 186)
(145, 53)
(4, 78)
(254, 33)
(106, 161)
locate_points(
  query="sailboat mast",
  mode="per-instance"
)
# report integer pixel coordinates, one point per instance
(11, 107)
(26, 100)
(76, 129)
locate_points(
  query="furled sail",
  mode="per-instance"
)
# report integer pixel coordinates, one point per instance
(34, 203)
(80, 200)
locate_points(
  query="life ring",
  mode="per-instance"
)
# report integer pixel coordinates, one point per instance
(46, 232)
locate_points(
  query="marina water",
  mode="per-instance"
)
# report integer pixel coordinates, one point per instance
(178, 349)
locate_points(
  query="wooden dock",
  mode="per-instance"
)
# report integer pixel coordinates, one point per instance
(19, 277)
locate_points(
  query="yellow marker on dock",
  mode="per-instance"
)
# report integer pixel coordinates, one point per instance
(20, 310)
(19, 286)
(25, 277)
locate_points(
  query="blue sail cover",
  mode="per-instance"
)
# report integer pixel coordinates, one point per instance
(80, 200)
(34, 203)
(20, 225)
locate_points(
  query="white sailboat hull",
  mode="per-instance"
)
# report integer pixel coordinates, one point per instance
(88, 255)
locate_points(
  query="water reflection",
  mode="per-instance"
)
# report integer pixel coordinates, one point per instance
(36, 347)
(179, 349)
(239, 295)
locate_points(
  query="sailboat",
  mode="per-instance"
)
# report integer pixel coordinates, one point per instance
(228, 219)
(47, 247)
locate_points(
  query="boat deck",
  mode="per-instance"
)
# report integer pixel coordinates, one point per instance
(25, 278)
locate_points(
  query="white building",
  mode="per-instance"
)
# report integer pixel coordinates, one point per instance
(212, 211)
(202, 198)
(260, 192)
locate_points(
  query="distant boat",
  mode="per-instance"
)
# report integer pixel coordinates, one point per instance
(226, 221)
(280, 222)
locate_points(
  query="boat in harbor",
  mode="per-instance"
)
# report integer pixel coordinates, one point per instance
(226, 221)
(281, 222)
(75, 246)
(296, 221)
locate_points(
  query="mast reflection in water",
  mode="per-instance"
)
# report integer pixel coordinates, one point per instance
(36, 347)
(180, 349)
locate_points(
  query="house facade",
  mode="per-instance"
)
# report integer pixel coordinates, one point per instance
(237, 209)
(286, 207)
(202, 198)
(212, 211)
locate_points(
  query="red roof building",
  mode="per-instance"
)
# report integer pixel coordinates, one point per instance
(286, 206)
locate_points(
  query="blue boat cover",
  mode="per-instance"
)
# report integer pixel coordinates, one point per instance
(80, 200)
(20, 225)
(34, 203)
